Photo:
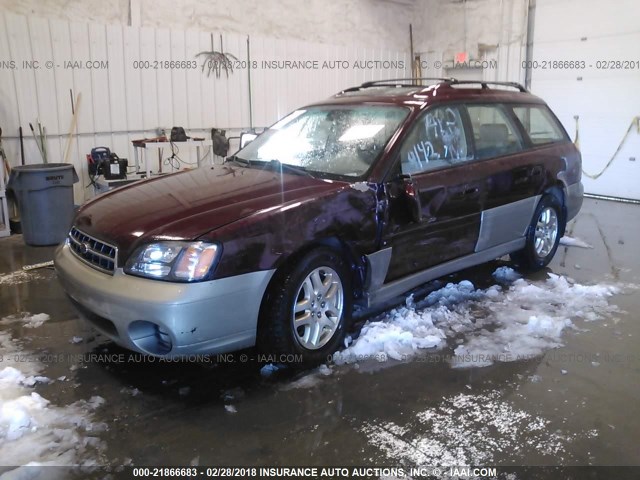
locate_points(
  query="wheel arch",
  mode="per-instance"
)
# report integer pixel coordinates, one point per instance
(270, 332)
(346, 251)
(558, 190)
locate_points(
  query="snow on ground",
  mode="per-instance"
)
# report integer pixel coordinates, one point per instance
(21, 276)
(516, 320)
(26, 319)
(32, 430)
(574, 242)
(468, 429)
(505, 275)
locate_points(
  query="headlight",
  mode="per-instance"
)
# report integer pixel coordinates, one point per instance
(175, 261)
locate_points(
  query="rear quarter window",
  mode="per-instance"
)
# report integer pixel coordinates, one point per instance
(539, 124)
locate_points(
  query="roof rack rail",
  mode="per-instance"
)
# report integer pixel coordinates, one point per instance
(397, 81)
(486, 83)
(411, 82)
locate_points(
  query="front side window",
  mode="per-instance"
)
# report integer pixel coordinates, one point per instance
(493, 132)
(436, 140)
(337, 140)
(539, 124)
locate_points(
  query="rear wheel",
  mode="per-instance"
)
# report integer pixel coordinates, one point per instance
(307, 308)
(543, 235)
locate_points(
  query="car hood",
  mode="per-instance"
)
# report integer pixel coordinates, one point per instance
(186, 205)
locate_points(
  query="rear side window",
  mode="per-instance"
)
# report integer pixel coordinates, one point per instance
(540, 125)
(493, 131)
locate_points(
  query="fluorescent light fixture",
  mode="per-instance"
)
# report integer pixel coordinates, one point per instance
(360, 132)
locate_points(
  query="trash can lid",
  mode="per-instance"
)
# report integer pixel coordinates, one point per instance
(43, 167)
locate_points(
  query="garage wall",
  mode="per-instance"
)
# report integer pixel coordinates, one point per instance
(372, 23)
(492, 32)
(129, 100)
(603, 92)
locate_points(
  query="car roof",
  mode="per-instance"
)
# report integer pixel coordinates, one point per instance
(411, 92)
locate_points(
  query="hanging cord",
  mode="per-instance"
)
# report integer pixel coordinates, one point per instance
(174, 159)
(634, 122)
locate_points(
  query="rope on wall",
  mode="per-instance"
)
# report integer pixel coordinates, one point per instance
(635, 122)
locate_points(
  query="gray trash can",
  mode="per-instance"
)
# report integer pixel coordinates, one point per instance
(44, 194)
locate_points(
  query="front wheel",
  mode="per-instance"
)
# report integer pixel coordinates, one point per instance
(543, 235)
(307, 307)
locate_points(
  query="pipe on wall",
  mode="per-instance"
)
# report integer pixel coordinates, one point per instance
(531, 20)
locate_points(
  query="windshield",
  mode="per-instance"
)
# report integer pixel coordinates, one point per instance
(338, 140)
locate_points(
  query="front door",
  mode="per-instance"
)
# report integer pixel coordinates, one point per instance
(434, 161)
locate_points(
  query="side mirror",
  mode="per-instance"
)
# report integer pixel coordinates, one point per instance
(246, 138)
(413, 197)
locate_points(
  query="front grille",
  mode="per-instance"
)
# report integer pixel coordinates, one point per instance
(94, 252)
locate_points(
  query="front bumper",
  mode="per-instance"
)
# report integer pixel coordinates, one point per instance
(165, 318)
(573, 199)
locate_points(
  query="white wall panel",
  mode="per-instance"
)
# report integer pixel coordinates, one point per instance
(207, 85)
(127, 101)
(8, 100)
(115, 76)
(149, 83)
(178, 96)
(132, 77)
(19, 43)
(163, 79)
(605, 100)
(193, 86)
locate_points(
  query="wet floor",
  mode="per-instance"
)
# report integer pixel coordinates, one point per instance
(572, 405)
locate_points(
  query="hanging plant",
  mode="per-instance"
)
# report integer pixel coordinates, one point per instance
(217, 62)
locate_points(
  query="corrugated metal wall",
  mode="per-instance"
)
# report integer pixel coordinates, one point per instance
(128, 100)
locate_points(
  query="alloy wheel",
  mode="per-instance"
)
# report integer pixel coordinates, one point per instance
(318, 308)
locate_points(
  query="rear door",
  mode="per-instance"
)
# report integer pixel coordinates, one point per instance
(434, 160)
(513, 177)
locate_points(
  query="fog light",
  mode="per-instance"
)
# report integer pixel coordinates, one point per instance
(150, 338)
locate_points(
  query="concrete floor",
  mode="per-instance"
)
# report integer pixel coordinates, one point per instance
(174, 414)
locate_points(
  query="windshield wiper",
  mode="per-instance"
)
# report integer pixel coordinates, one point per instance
(241, 161)
(291, 168)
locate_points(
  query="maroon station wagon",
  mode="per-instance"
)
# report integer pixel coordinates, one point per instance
(353, 200)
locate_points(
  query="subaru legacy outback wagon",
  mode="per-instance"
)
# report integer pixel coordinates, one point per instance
(354, 200)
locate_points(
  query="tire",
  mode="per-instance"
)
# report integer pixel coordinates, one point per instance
(543, 235)
(307, 308)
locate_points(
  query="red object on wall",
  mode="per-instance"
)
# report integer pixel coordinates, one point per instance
(461, 57)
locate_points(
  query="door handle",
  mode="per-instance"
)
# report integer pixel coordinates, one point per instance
(466, 191)
(536, 171)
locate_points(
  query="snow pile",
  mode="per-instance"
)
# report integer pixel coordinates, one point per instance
(531, 318)
(26, 319)
(468, 429)
(574, 242)
(506, 275)
(32, 430)
(500, 323)
(20, 276)
(407, 331)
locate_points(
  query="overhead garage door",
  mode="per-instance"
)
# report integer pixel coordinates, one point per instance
(601, 87)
